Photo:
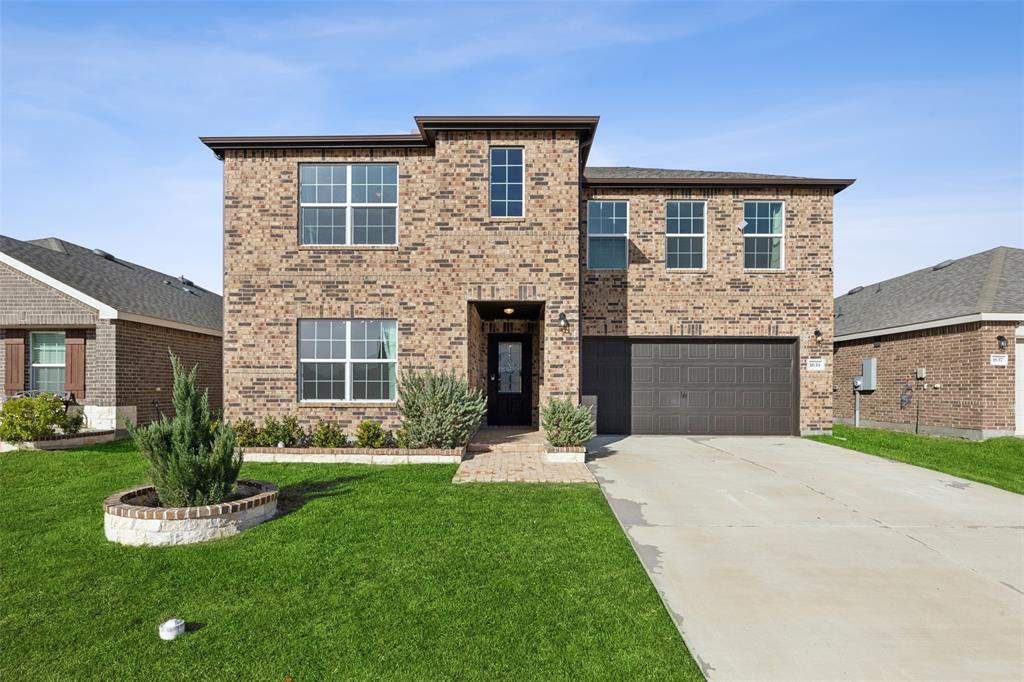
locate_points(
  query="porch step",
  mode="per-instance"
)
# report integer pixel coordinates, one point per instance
(511, 448)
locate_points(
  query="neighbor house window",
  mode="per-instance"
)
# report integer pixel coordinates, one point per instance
(47, 356)
(506, 182)
(764, 235)
(686, 236)
(352, 360)
(607, 235)
(348, 203)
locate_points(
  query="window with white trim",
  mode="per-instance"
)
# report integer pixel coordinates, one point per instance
(47, 361)
(607, 235)
(506, 182)
(764, 235)
(344, 204)
(686, 235)
(348, 360)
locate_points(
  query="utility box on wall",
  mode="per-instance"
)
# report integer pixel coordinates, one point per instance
(867, 374)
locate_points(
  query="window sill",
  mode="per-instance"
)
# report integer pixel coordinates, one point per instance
(508, 219)
(607, 269)
(687, 271)
(347, 403)
(348, 247)
(764, 271)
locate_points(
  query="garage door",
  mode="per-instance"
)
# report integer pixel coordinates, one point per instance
(715, 387)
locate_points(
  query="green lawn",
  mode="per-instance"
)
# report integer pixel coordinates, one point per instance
(998, 461)
(373, 572)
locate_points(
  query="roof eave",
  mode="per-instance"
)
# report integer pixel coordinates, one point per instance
(836, 184)
(220, 144)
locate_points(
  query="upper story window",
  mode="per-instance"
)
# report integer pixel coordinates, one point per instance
(47, 360)
(686, 236)
(349, 203)
(764, 235)
(506, 182)
(351, 360)
(607, 235)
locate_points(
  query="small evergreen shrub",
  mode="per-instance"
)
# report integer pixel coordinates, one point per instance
(327, 435)
(33, 418)
(190, 464)
(371, 435)
(285, 431)
(73, 423)
(566, 424)
(438, 409)
(246, 433)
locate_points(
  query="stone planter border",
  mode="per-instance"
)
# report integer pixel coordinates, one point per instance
(355, 455)
(130, 518)
(62, 442)
(562, 455)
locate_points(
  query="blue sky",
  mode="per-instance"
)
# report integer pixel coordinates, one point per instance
(922, 103)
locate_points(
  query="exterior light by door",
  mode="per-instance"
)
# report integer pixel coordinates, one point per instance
(509, 311)
(817, 336)
(563, 321)
(1002, 342)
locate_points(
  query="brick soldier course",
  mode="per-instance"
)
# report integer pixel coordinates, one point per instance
(454, 262)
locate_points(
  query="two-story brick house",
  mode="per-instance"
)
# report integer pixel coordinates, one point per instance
(681, 301)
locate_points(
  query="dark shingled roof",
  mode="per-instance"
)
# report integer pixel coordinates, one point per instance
(988, 282)
(124, 286)
(629, 175)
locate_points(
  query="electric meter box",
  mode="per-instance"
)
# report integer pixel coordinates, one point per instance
(867, 373)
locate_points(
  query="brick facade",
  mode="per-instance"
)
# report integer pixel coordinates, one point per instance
(451, 253)
(965, 395)
(127, 370)
(648, 299)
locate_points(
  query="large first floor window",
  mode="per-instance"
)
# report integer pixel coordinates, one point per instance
(47, 360)
(350, 360)
(685, 224)
(764, 234)
(607, 235)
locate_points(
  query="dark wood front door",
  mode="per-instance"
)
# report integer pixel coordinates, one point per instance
(509, 372)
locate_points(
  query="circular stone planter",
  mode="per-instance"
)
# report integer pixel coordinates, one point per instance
(131, 517)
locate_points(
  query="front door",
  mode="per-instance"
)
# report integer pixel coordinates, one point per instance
(509, 393)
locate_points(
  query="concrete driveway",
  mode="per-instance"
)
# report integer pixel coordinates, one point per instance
(786, 559)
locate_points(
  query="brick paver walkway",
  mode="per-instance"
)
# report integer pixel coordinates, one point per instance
(513, 467)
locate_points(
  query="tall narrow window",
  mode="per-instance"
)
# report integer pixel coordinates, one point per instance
(686, 237)
(349, 204)
(607, 235)
(764, 234)
(47, 360)
(347, 360)
(506, 182)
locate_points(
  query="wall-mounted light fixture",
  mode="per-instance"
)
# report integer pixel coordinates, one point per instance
(817, 335)
(563, 321)
(509, 311)
(1002, 342)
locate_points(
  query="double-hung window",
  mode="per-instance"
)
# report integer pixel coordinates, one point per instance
(347, 360)
(344, 204)
(47, 361)
(764, 235)
(607, 235)
(506, 182)
(686, 236)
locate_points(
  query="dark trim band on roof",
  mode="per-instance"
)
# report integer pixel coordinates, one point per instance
(697, 181)
(220, 144)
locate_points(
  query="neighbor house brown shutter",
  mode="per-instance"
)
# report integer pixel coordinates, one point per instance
(74, 364)
(14, 365)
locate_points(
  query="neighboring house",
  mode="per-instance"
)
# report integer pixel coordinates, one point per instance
(86, 322)
(681, 301)
(962, 323)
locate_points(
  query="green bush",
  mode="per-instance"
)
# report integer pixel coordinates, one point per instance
(190, 464)
(566, 424)
(327, 435)
(285, 431)
(73, 423)
(371, 435)
(246, 433)
(438, 409)
(33, 418)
